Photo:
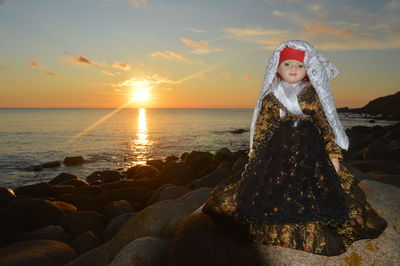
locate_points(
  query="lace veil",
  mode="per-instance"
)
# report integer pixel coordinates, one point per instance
(319, 71)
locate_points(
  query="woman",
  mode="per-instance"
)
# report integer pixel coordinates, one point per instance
(294, 191)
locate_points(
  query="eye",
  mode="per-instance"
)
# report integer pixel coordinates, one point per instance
(286, 64)
(301, 66)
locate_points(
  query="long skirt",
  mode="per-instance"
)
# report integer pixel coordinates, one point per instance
(290, 195)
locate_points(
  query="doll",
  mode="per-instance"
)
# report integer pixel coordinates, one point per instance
(294, 192)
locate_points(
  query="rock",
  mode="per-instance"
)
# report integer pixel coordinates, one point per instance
(61, 178)
(206, 170)
(179, 175)
(93, 177)
(116, 224)
(51, 232)
(64, 206)
(389, 105)
(8, 233)
(81, 221)
(239, 131)
(37, 252)
(240, 163)
(147, 183)
(76, 182)
(35, 190)
(58, 190)
(390, 179)
(89, 189)
(89, 258)
(159, 219)
(34, 168)
(6, 194)
(108, 176)
(372, 121)
(211, 246)
(73, 160)
(208, 245)
(158, 164)
(232, 178)
(168, 192)
(31, 214)
(222, 154)
(85, 241)
(171, 158)
(387, 166)
(116, 208)
(376, 150)
(145, 251)
(213, 178)
(184, 156)
(198, 160)
(135, 195)
(143, 171)
(75, 200)
(52, 164)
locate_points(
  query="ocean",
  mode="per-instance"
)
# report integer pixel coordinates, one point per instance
(116, 139)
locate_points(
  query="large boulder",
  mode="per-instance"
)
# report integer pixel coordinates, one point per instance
(198, 160)
(37, 252)
(145, 251)
(179, 175)
(199, 242)
(51, 232)
(168, 192)
(36, 190)
(74, 160)
(30, 214)
(81, 221)
(213, 178)
(141, 171)
(116, 208)
(85, 241)
(76, 182)
(223, 154)
(115, 224)
(376, 150)
(6, 194)
(61, 178)
(159, 220)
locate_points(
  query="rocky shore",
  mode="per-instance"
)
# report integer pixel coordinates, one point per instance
(150, 214)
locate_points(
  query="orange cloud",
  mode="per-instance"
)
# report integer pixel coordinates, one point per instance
(247, 77)
(83, 60)
(3, 67)
(225, 74)
(194, 44)
(33, 64)
(51, 73)
(317, 28)
(138, 3)
(202, 76)
(106, 72)
(170, 55)
(121, 65)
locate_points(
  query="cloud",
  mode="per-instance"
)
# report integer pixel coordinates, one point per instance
(122, 66)
(33, 64)
(200, 47)
(83, 60)
(196, 30)
(51, 73)
(2, 4)
(392, 5)
(316, 28)
(247, 77)
(106, 72)
(4, 68)
(151, 81)
(241, 32)
(194, 44)
(282, 1)
(225, 73)
(170, 55)
(138, 3)
(202, 76)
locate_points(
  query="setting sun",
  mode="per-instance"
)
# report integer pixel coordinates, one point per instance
(140, 91)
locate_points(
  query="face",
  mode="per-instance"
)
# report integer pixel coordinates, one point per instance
(292, 71)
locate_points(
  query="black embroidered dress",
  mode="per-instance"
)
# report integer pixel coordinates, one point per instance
(289, 193)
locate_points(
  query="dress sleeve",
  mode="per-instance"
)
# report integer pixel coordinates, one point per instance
(266, 118)
(333, 150)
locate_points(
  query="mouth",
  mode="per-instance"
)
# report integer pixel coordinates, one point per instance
(292, 74)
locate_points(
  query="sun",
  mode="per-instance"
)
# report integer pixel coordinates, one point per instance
(140, 91)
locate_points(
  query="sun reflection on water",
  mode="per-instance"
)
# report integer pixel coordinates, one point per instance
(140, 145)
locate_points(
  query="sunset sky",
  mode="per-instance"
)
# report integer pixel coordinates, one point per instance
(187, 53)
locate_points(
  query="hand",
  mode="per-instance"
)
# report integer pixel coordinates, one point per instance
(336, 164)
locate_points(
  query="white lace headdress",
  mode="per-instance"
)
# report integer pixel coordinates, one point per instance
(319, 71)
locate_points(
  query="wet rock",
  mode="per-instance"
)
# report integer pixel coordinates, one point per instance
(145, 251)
(74, 160)
(239, 131)
(37, 252)
(223, 154)
(75, 200)
(147, 183)
(76, 182)
(89, 189)
(85, 241)
(108, 176)
(31, 214)
(64, 206)
(198, 160)
(213, 178)
(52, 164)
(376, 150)
(158, 164)
(144, 171)
(34, 168)
(168, 192)
(206, 170)
(115, 224)
(51, 232)
(6, 194)
(81, 221)
(58, 190)
(116, 208)
(177, 176)
(35, 190)
(94, 177)
(240, 163)
(171, 158)
(62, 178)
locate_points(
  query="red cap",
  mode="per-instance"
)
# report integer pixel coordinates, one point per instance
(289, 53)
